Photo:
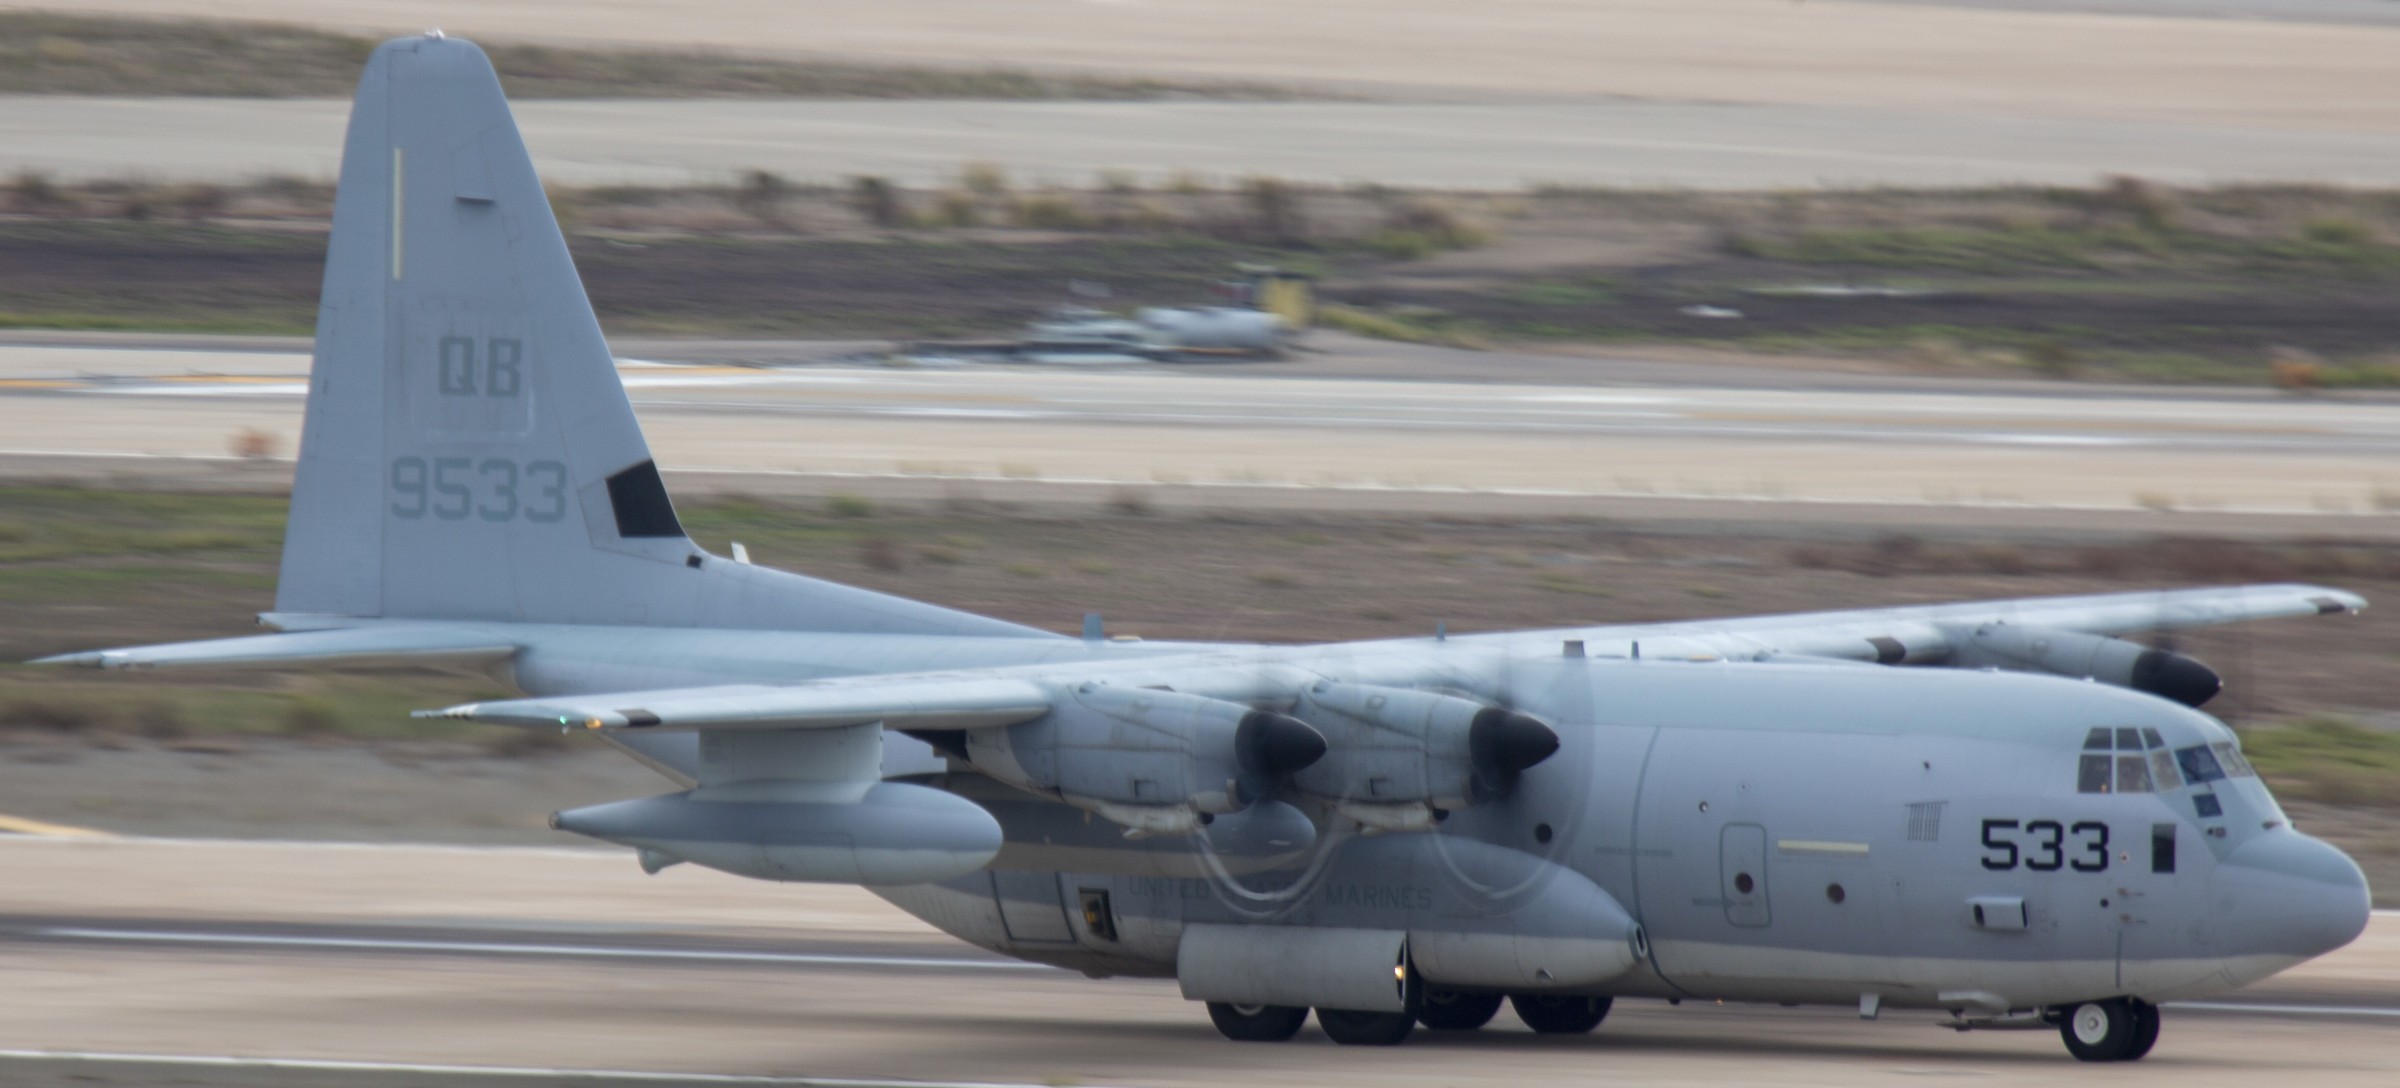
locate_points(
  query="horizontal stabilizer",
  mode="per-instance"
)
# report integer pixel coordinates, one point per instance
(350, 646)
(898, 703)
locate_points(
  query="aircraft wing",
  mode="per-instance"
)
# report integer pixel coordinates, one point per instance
(1917, 633)
(916, 702)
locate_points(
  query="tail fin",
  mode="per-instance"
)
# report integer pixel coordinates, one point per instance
(469, 452)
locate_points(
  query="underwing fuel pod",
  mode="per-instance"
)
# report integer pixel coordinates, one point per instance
(2022, 821)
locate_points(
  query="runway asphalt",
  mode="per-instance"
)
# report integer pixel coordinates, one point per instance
(165, 962)
(1477, 146)
(2059, 449)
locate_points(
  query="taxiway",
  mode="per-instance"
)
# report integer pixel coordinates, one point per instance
(1265, 428)
(155, 962)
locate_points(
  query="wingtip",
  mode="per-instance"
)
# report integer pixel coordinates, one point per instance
(90, 659)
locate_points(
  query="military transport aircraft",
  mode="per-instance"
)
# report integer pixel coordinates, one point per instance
(2001, 810)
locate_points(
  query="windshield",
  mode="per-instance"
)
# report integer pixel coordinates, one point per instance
(2125, 760)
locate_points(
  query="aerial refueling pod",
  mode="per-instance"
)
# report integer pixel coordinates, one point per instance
(1396, 754)
(890, 833)
(799, 804)
(2020, 648)
(1155, 761)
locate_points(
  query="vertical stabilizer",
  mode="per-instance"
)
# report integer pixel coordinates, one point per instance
(469, 452)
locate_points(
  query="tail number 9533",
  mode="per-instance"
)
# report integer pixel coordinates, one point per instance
(489, 489)
(2045, 846)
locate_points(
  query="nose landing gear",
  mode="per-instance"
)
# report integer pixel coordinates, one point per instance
(2117, 1030)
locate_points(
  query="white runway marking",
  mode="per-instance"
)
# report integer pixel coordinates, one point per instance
(486, 948)
(318, 1065)
(2284, 1010)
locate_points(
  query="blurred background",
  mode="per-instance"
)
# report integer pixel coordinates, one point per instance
(1224, 318)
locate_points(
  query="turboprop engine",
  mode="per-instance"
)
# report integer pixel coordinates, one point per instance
(1162, 762)
(2020, 648)
(1396, 757)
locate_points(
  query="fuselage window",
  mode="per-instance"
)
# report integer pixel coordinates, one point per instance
(2198, 765)
(2096, 740)
(2151, 739)
(2092, 775)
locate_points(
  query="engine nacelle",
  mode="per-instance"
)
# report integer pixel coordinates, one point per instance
(2020, 648)
(1155, 761)
(1393, 752)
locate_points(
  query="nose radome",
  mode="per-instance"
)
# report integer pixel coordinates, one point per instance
(2292, 894)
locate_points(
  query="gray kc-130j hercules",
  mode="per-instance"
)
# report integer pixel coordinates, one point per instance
(2001, 810)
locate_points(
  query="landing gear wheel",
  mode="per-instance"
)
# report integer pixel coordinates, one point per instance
(1558, 1014)
(2145, 1031)
(1351, 1027)
(1454, 1010)
(2103, 1031)
(1257, 1023)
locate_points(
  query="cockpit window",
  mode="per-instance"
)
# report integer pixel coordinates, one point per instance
(2162, 770)
(2132, 768)
(2231, 759)
(2198, 765)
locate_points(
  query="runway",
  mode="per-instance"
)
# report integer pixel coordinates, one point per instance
(330, 964)
(2315, 64)
(2073, 449)
(1474, 146)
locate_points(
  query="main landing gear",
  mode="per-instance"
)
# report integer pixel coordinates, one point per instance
(1437, 1008)
(1553, 1014)
(1257, 1023)
(2117, 1030)
(1546, 1014)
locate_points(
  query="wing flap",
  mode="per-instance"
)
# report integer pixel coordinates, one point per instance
(898, 703)
(348, 646)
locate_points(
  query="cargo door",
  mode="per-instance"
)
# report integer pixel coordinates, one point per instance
(1742, 850)
(1030, 908)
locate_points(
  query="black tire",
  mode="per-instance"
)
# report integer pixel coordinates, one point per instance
(1560, 1014)
(2099, 1031)
(2145, 1031)
(1257, 1023)
(1351, 1027)
(1457, 1010)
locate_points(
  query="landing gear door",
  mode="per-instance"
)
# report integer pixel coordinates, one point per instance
(1743, 850)
(1030, 907)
